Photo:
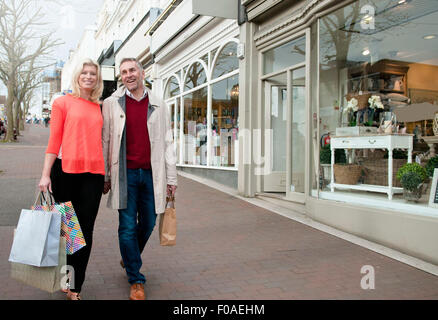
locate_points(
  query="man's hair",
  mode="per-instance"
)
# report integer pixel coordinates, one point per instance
(131, 59)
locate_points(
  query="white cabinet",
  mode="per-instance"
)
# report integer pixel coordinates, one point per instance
(372, 141)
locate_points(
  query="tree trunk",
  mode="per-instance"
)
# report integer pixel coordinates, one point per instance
(21, 117)
(17, 116)
(9, 112)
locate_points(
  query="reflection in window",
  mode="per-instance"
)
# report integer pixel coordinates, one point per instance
(225, 109)
(226, 61)
(205, 59)
(175, 119)
(284, 56)
(392, 59)
(195, 127)
(148, 82)
(196, 76)
(172, 88)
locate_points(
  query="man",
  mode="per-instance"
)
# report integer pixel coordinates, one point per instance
(140, 165)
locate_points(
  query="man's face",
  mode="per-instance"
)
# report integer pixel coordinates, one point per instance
(131, 75)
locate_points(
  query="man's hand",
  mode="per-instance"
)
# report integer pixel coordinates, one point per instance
(171, 191)
(106, 186)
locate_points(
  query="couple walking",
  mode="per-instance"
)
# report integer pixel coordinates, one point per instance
(125, 148)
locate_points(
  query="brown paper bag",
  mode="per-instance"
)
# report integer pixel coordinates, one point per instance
(45, 278)
(167, 226)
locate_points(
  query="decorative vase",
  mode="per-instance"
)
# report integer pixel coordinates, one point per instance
(413, 195)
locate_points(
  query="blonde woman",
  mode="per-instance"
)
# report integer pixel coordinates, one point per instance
(74, 166)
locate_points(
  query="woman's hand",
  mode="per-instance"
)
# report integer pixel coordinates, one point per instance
(45, 184)
(106, 187)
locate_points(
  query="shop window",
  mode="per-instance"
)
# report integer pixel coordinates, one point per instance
(195, 76)
(378, 76)
(174, 108)
(172, 88)
(225, 111)
(226, 60)
(284, 56)
(205, 59)
(195, 127)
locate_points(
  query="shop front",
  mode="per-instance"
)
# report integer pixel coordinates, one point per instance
(197, 69)
(337, 115)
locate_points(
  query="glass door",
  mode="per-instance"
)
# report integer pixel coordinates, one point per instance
(297, 155)
(285, 102)
(275, 134)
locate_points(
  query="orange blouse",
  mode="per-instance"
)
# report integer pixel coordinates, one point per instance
(76, 125)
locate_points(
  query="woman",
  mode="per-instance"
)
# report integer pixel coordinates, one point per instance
(74, 166)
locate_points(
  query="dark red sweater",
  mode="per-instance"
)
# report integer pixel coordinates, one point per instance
(138, 146)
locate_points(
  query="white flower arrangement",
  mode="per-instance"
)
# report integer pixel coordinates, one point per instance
(352, 105)
(375, 102)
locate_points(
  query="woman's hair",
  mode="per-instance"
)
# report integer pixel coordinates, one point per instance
(97, 90)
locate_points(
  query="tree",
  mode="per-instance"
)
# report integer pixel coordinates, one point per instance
(22, 46)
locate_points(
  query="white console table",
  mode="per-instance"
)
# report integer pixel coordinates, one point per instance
(371, 141)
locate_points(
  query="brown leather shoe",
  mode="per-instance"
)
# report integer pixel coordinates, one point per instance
(137, 292)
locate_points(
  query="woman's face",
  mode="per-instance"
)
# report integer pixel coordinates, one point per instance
(88, 78)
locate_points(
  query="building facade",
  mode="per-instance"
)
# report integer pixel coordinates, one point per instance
(196, 70)
(304, 63)
(269, 98)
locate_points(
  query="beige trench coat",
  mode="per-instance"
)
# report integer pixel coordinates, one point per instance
(163, 159)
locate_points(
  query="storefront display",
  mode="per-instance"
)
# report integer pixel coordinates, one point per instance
(207, 143)
(371, 74)
(352, 130)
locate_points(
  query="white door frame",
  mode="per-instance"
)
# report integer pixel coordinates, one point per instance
(290, 195)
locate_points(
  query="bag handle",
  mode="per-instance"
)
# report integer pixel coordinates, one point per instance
(42, 199)
(170, 200)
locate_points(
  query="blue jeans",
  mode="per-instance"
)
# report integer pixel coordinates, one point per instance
(135, 229)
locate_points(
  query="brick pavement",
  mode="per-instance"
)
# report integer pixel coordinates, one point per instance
(226, 249)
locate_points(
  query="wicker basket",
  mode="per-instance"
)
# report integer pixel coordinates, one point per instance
(347, 173)
(362, 99)
(376, 171)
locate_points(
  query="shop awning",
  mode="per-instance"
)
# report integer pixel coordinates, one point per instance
(416, 112)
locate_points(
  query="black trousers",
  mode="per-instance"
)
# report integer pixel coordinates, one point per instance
(84, 190)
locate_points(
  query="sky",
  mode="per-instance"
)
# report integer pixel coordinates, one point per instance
(67, 20)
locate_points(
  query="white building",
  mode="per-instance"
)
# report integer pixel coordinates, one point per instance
(86, 49)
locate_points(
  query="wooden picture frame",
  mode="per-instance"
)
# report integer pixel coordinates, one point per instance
(433, 197)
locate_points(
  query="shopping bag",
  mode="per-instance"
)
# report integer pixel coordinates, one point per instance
(50, 279)
(70, 227)
(167, 225)
(36, 241)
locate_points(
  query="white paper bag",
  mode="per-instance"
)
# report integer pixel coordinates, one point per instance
(36, 241)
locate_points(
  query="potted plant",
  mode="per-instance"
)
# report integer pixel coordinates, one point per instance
(325, 155)
(432, 163)
(412, 177)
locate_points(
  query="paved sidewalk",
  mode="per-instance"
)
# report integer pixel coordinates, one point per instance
(226, 249)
